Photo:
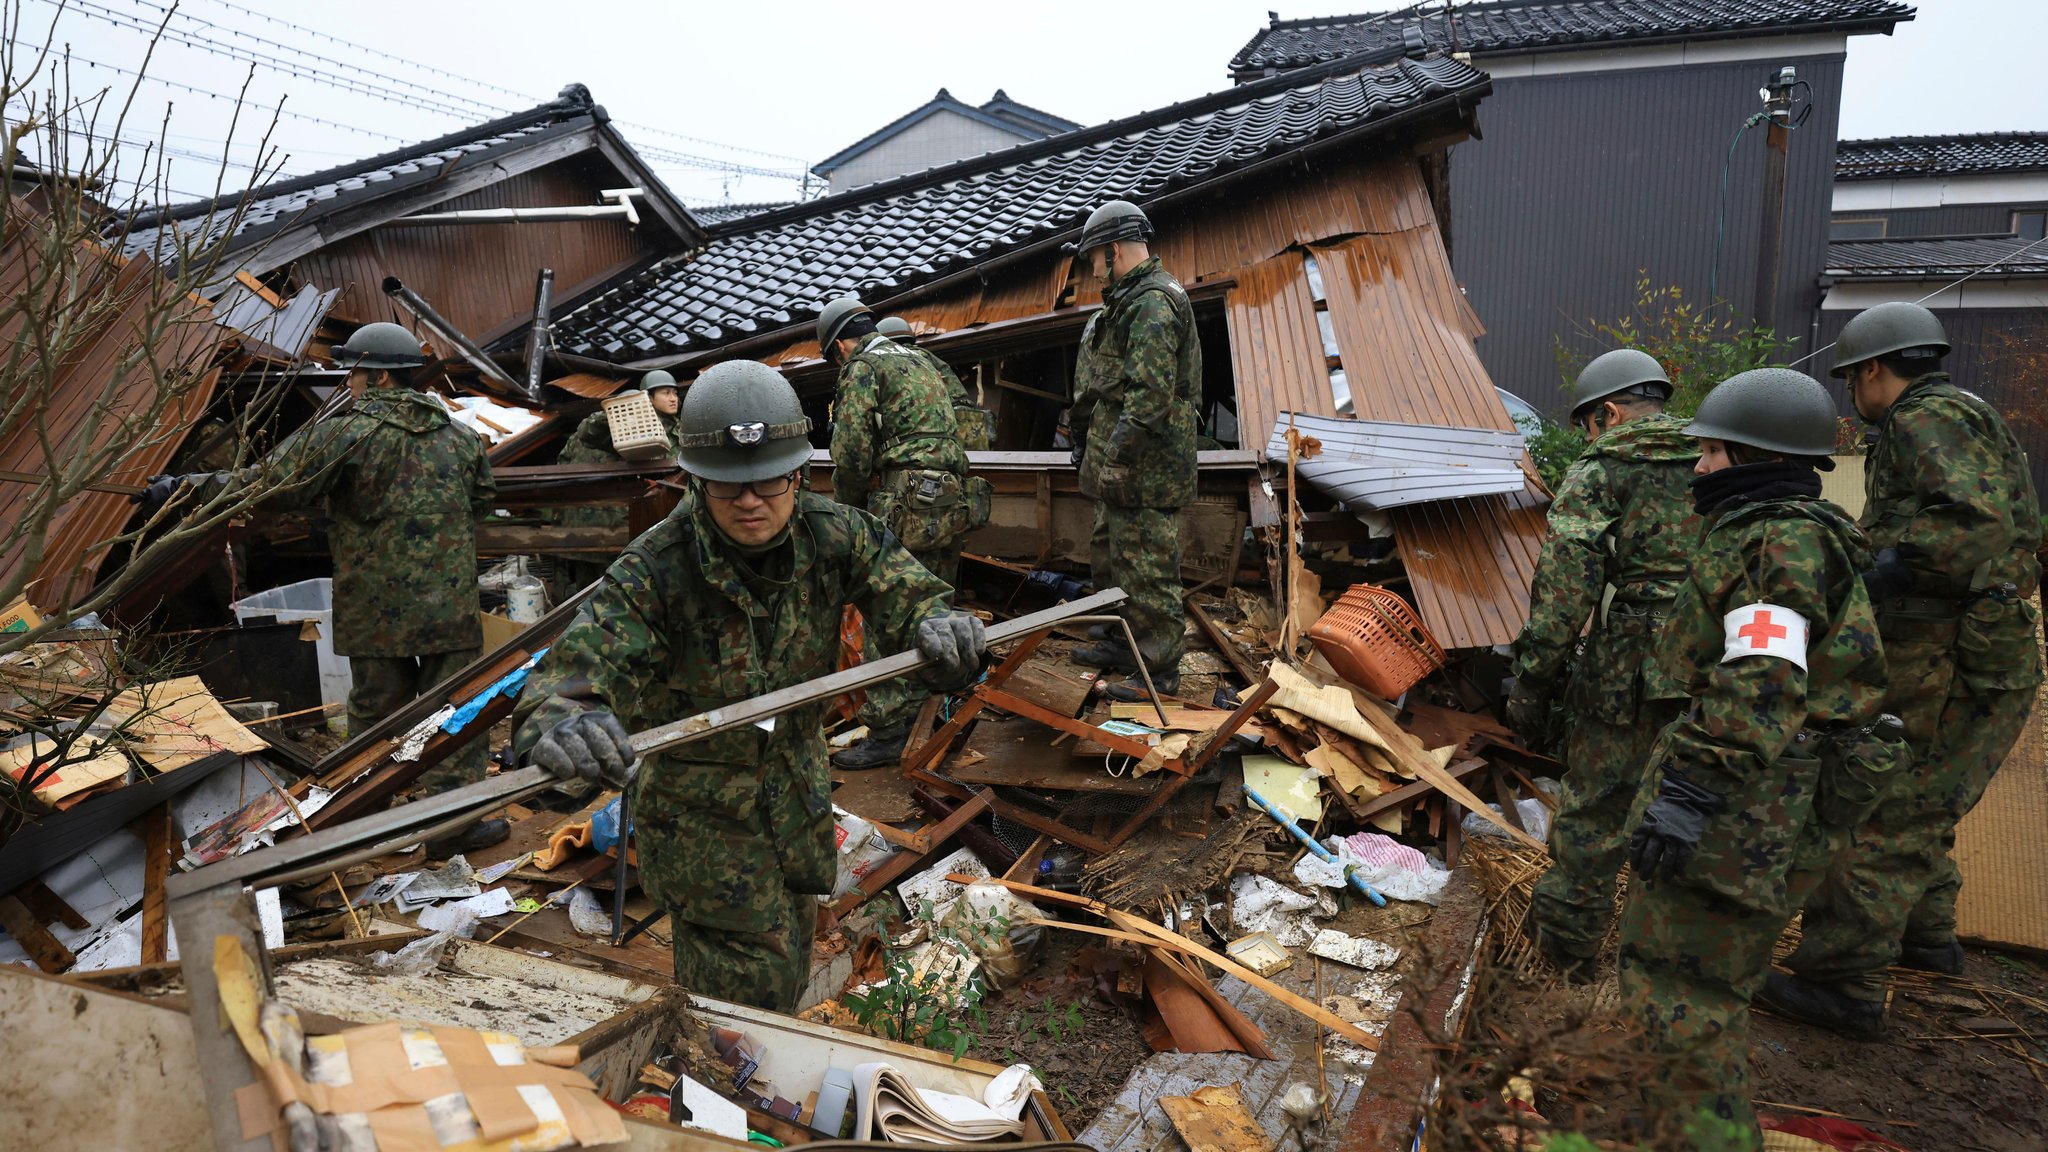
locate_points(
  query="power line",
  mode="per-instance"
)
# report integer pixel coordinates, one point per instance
(278, 109)
(1979, 270)
(482, 84)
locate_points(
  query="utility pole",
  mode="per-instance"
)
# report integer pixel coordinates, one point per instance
(1777, 94)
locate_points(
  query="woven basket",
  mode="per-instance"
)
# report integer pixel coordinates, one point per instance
(1373, 639)
(637, 433)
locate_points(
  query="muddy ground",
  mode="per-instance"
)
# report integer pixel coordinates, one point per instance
(1057, 1020)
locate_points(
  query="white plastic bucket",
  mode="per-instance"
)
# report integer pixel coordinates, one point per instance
(308, 600)
(523, 600)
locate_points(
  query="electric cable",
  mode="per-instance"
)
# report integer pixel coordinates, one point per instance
(1956, 283)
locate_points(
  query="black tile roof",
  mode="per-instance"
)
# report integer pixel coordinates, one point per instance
(777, 269)
(1941, 155)
(305, 199)
(1536, 25)
(711, 215)
(1936, 257)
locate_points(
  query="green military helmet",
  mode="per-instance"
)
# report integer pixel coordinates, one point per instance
(896, 328)
(1115, 220)
(834, 317)
(742, 421)
(380, 345)
(1773, 409)
(1893, 326)
(1624, 370)
(657, 379)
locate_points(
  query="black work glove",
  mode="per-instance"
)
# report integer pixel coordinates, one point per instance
(954, 644)
(1126, 442)
(161, 487)
(1529, 715)
(1669, 836)
(1078, 450)
(590, 745)
(1890, 578)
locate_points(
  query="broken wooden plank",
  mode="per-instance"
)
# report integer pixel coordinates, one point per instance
(1240, 1026)
(1139, 924)
(1221, 641)
(902, 862)
(1191, 1025)
(1215, 1119)
(156, 868)
(46, 950)
(49, 907)
(1409, 793)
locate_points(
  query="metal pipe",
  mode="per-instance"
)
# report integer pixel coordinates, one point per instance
(542, 337)
(1309, 842)
(439, 326)
(621, 208)
(1137, 657)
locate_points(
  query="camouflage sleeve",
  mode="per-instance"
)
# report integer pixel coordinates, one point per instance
(608, 657)
(1081, 409)
(483, 486)
(1570, 576)
(1151, 359)
(306, 466)
(892, 590)
(1747, 710)
(1964, 516)
(854, 450)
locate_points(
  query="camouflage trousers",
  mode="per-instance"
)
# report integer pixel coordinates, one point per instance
(1896, 883)
(384, 684)
(1138, 550)
(1691, 959)
(1589, 832)
(765, 969)
(893, 704)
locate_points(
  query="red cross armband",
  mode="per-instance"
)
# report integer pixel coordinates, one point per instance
(1765, 630)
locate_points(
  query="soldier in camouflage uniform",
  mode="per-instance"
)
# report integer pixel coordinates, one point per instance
(404, 484)
(591, 443)
(736, 594)
(1622, 524)
(896, 453)
(970, 420)
(1773, 637)
(1137, 391)
(1952, 511)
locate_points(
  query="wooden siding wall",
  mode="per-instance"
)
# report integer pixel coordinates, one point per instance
(481, 276)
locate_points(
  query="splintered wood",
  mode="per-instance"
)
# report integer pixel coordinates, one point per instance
(1158, 872)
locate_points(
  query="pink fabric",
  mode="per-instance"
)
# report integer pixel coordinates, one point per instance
(1386, 852)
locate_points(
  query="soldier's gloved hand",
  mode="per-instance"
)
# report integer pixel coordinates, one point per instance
(954, 644)
(160, 488)
(1669, 836)
(590, 745)
(1078, 450)
(1126, 442)
(1890, 578)
(1528, 714)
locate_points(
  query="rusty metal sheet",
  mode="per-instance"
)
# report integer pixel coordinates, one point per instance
(1470, 564)
(1275, 352)
(590, 385)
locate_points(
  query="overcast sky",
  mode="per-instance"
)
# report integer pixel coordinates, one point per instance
(775, 84)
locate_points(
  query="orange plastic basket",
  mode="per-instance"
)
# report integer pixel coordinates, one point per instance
(1373, 639)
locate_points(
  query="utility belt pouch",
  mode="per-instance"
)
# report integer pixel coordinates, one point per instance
(1857, 766)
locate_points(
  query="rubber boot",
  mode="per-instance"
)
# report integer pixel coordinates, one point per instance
(1114, 657)
(1575, 969)
(1822, 1006)
(481, 834)
(1132, 690)
(1104, 633)
(1946, 959)
(879, 750)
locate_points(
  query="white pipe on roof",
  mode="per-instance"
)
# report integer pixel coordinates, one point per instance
(622, 206)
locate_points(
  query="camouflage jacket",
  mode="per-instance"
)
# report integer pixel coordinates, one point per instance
(682, 626)
(892, 413)
(404, 484)
(1742, 738)
(1948, 486)
(1623, 518)
(970, 419)
(591, 443)
(1141, 362)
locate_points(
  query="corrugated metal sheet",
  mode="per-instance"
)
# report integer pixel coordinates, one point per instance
(1405, 334)
(481, 276)
(1545, 242)
(85, 406)
(1370, 464)
(1470, 564)
(590, 385)
(1276, 355)
(274, 333)
(1951, 220)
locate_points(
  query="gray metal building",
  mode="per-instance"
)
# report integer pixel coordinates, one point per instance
(1611, 132)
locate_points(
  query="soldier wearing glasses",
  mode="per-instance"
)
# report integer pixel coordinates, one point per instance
(737, 594)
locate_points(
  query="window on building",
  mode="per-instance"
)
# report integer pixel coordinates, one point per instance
(1871, 228)
(2030, 225)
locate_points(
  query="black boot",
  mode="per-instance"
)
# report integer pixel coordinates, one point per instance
(1946, 959)
(1132, 690)
(1575, 968)
(481, 834)
(1114, 657)
(1822, 1006)
(1105, 632)
(879, 750)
